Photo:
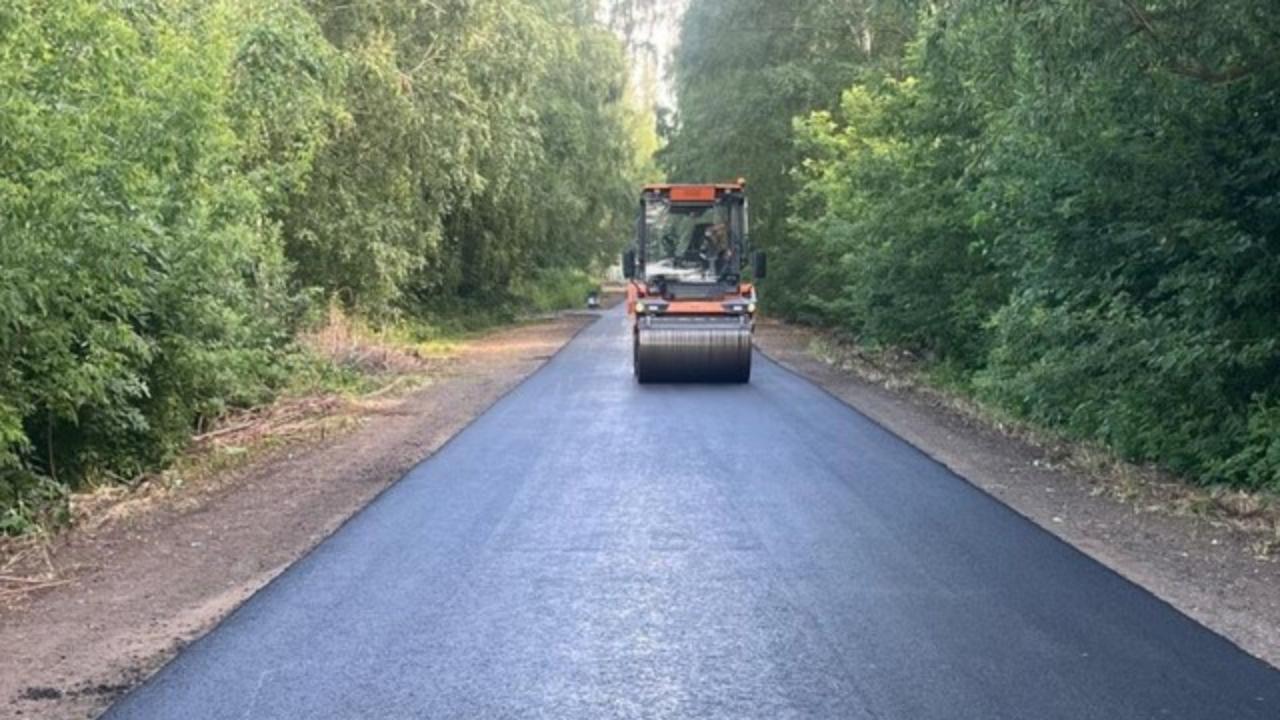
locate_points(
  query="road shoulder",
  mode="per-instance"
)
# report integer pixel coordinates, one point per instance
(133, 591)
(1207, 568)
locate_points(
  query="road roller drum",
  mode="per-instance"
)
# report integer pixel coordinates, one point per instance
(700, 349)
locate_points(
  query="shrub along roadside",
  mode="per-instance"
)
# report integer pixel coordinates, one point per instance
(182, 183)
(1083, 229)
(1071, 209)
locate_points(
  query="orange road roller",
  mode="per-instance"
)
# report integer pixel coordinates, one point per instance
(693, 310)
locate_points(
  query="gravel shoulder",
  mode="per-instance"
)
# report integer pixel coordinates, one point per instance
(134, 590)
(1208, 568)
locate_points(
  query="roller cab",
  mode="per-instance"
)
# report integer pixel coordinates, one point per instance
(693, 310)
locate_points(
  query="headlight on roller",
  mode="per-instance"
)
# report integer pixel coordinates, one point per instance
(751, 308)
(639, 307)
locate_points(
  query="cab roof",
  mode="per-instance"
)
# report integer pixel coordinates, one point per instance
(695, 192)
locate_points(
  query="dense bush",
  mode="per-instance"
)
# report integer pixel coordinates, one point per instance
(177, 179)
(1074, 205)
(1135, 205)
(555, 288)
(141, 289)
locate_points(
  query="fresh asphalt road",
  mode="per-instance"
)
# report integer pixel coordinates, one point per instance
(591, 548)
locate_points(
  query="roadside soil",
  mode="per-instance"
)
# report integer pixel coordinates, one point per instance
(118, 597)
(1210, 555)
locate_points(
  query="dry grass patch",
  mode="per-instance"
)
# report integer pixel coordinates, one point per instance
(347, 374)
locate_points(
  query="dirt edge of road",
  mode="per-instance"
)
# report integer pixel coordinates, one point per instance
(134, 590)
(1208, 569)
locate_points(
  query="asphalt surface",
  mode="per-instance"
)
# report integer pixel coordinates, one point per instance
(591, 548)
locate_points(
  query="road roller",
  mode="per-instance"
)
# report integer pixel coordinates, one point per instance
(691, 304)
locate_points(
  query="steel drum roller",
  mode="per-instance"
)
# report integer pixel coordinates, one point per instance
(693, 350)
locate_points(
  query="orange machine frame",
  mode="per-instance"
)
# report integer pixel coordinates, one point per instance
(637, 288)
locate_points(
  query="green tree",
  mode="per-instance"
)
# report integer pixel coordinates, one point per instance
(177, 179)
(142, 289)
(1075, 203)
(743, 70)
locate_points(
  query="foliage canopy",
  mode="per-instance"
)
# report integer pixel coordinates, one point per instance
(1072, 207)
(181, 180)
